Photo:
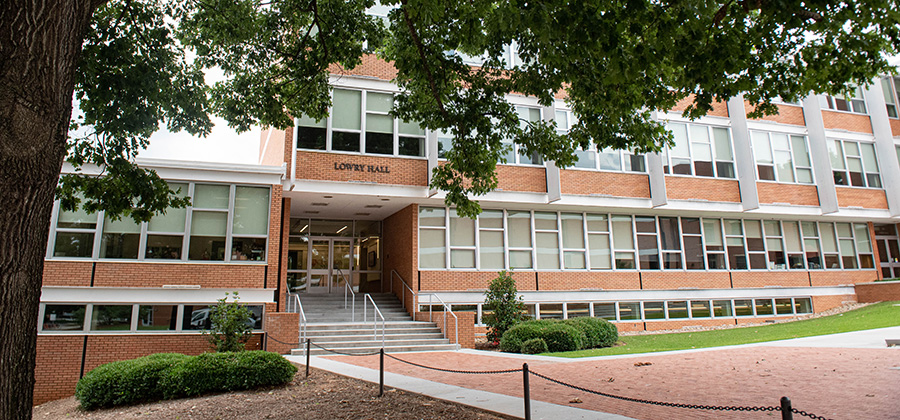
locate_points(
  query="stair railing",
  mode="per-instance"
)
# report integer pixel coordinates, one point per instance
(376, 313)
(403, 292)
(446, 310)
(347, 288)
(294, 305)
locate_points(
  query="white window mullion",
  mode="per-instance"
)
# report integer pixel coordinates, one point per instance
(229, 220)
(362, 124)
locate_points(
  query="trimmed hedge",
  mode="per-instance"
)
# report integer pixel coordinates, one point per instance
(557, 335)
(169, 375)
(534, 346)
(126, 381)
(569, 335)
(598, 331)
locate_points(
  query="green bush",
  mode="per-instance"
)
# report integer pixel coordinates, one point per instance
(230, 324)
(534, 346)
(126, 381)
(598, 332)
(505, 307)
(558, 336)
(166, 375)
(215, 372)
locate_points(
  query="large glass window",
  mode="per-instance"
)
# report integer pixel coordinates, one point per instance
(490, 229)
(63, 318)
(462, 241)
(379, 123)
(75, 233)
(854, 163)
(854, 102)
(546, 239)
(311, 134)
(648, 247)
(432, 243)
(345, 120)
(573, 240)
(165, 232)
(519, 234)
(515, 154)
(111, 318)
(699, 150)
(889, 88)
(598, 241)
(782, 158)
(623, 241)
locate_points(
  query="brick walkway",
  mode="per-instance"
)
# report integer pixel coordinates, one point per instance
(835, 383)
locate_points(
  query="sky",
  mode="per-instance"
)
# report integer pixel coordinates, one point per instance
(222, 145)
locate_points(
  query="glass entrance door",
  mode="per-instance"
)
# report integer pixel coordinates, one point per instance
(888, 250)
(329, 267)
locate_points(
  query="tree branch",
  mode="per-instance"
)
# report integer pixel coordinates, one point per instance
(415, 37)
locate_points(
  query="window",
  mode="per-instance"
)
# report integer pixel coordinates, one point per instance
(606, 160)
(131, 317)
(793, 245)
(854, 163)
(445, 143)
(63, 318)
(699, 309)
(853, 103)
(573, 241)
(575, 310)
(209, 221)
(629, 311)
(654, 310)
(462, 241)
(165, 232)
(598, 241)
(432, 244)
(648, 247)
(829, 246)
(383, 134)
(623, 240)
(782, 158)
(122, 238)
(157, 317)
(811, 245)
(515, 154)
(250, 225)
(693, 244)
(699, 150)
(864, 245)
(889, 87)
(670, 241)
(111, 318)
(490, 247)
(75, 233)
(605, 310)
(715, 247)
(519, 236)
(546, 240)
(756, 246)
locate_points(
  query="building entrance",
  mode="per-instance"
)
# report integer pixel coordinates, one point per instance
(888, 250)
(324, 256)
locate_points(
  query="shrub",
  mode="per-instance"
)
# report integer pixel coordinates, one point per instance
(230, 325)
(507, 308)
(211, 372)
(126, 381)
(598, 332)
(534, 346)
(166, 375)
(557, 335)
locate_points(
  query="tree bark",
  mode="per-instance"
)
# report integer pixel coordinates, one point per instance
(40, 43)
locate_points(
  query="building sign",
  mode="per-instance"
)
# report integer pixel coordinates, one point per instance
(361, 168)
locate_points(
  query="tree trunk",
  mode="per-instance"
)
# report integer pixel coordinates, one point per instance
(40, 42)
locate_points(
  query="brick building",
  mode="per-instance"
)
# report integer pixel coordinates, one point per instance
(741, 220)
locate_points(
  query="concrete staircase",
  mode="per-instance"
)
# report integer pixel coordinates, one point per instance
(330, 326)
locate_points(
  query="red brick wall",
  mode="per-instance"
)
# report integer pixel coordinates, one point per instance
(279, 279)
(521, 178)
(861, 197)
(284, 327)
(477, 280)
(127, 274)
(878, 292)
(801, 195)
(684, 188)
(59, 356)
(401, 247)
(763, 279)
(834, 278)
(370, 66)
(720, 109)
(824, 303)
(607, 183)
(677, 325)
(847, 121)
(674, 280)
(466, 326)
(67, 273)
(787, 114)
(320, 166)
(575, 280)
(895, 127)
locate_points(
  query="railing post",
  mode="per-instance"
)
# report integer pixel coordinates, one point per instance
(307, 356)
(526, 391)
(381, 373)
(787, 412)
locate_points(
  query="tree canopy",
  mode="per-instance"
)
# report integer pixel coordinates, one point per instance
(615, 62)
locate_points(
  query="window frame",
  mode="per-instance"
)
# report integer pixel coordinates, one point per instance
(795, 169)
(837, 149)
(666, 153)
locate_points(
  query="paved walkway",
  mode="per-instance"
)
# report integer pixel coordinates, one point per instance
(841, 376)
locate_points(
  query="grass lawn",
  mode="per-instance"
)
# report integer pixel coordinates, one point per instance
(880, 315)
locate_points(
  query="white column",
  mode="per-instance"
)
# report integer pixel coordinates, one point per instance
(884, 146)
(818, 147)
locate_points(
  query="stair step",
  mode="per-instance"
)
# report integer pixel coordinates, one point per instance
(373, 349)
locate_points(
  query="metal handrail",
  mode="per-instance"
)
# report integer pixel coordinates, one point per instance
(298, 308)
(446, 309)
(403, 292)
(347, 288)
(375, 313)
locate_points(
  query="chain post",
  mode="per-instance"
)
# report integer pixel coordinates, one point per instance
(381, 373)
(786, 411)
(308, 342)
(527, 397)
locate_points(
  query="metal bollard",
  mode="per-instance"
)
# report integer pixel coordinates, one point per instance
(527, 392)
(381, 374)
(786, 410)
(307, 357)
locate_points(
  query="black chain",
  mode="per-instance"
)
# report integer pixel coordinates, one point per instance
(344, 354)
(282, 342)
(805, 414)
(664, 404)
(470, 372)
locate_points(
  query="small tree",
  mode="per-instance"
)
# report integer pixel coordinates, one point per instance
(230, 325)
(506, 305)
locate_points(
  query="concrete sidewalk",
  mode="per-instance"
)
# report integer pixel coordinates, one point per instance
(488, 401)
